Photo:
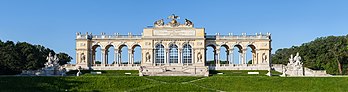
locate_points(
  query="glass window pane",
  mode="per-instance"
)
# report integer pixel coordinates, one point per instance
(187, 54)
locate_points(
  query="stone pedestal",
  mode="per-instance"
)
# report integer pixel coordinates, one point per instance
(294, 71)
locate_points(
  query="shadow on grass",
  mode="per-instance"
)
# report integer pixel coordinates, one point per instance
(105, 72)
(36, 84)
(241, 73)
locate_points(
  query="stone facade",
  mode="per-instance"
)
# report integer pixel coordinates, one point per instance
(158, 43)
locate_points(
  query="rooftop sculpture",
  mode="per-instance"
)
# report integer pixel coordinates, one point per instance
(173, 22)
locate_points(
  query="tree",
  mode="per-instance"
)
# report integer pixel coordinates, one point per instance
(15, 57)
(250, 62)
(63, 58)
(97, 62)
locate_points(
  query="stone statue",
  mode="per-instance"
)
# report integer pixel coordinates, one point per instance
(297, 59)
(51, 60)
(159, 22)
(173, 22)
(291, 60)
(148, 57)
(199, 56)
(55, 60)
(188, 22)
(264, 57)
(83, 57)
(173, 16)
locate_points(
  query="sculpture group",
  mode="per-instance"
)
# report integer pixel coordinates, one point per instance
(294, 66)
(52, 68)
(173, 22)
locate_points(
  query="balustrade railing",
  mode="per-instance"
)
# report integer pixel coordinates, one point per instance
(114, 65)
(238, 36)
(83, 36)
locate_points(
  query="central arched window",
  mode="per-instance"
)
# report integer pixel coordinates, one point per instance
(187, 54)
(159, 52)
(173, 53)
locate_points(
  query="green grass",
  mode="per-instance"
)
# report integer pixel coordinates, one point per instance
(111, 81)
(244, 83)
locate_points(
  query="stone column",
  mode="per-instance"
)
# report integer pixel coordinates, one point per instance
(179, 55)
(132, 56)
(166, 57)
(93, 57)
(106, 57)
(120, 56)
(90, 59)
(240, 56)
(227, 57)
(153, 57)
(244, 56)
(217, 56)
(231, 59)
(129, 56)
(116, 56)
(257, 58)
(193, 56)
(103, 57)
(253, 57)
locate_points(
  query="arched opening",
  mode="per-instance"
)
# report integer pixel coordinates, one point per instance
(137, 54)
(224, 54)
(250, 55)
(159, 54)
(173, 53)
(210, 55)
(237, 54)
(96, 55)
(187, 54)
(110, 54)
(124, 54)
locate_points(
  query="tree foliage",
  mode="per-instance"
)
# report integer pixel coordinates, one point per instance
(15, 57)
(325, 53)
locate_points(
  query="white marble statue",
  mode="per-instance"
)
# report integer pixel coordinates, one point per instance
(51, 60)
(297, 60)
(291, 60)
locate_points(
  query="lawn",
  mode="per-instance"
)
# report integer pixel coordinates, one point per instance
(118, 81)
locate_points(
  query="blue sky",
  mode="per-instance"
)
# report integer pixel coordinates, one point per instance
(54, 23)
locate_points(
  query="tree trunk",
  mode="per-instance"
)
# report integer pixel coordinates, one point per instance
(339, 67)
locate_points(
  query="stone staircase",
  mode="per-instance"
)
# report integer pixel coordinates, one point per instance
(173, 71)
